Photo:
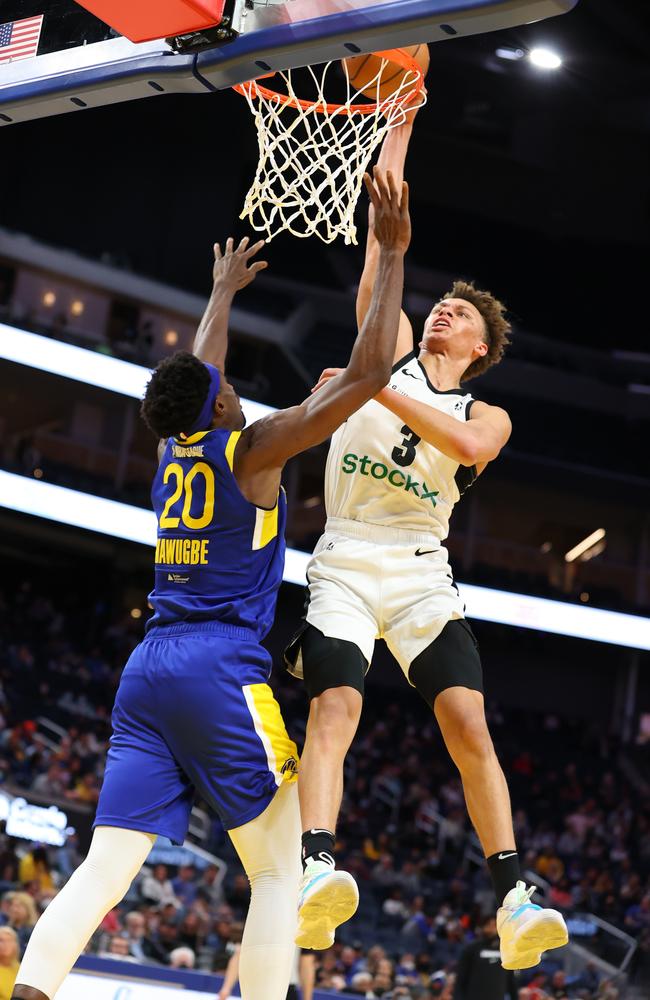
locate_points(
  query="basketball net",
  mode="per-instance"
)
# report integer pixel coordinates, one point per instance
(313, 154)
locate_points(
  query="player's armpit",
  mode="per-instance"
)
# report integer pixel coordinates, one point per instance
(404, 344)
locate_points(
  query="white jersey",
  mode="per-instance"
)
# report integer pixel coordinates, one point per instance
(380, 472)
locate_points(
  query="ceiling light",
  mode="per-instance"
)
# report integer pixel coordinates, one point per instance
(136, 613)
(77, 307)
(512, 54)
(587, 543)
(171, 338)
(545, 59)
(49, 298)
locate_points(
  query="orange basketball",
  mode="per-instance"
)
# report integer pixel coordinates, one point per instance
(363, 72)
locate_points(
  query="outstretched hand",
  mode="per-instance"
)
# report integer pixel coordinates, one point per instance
(390, 210)
(231, 268)
(325, 376)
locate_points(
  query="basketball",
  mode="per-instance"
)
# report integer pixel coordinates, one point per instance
(363, 70)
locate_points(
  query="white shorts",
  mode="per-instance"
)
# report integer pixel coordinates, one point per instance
(370, 582)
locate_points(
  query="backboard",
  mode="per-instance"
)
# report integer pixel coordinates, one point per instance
(83, 63)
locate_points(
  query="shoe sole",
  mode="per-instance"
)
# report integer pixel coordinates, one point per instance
(525, 960)
(324, 910)
(545, 932)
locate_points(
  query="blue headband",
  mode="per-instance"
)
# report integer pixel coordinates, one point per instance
(204, 419)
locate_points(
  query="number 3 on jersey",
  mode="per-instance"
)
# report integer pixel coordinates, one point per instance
(183, 487)
(404, 454)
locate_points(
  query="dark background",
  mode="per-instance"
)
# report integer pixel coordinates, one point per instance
(535, 183)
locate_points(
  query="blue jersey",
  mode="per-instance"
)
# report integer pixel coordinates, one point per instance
(218, 557)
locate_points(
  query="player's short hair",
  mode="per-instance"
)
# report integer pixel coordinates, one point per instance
(175, 395)
(497, 327)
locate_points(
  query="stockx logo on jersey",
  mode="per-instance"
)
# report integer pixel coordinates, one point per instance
(400, 480)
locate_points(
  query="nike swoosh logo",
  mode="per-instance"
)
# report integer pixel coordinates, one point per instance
(502, 857)
(410, 375)
(424, 552)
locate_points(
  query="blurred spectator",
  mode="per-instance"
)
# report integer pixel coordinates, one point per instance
(480, 975)
(34, 867)
(118, 947)
(8, 864)
(135, 927)
(225, 943)
(182, 958)
(536, 988)
(156, 887)
(208, 886)
(166, 939)
(9, 963)
(20, 915)
(184, 885)
(51, 783)
(192, 930)
(637, 916)
(86, 789)
(361, 985)
(549, 865)
(558, 987)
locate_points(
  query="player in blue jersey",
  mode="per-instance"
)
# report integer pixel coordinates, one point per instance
(193, 712)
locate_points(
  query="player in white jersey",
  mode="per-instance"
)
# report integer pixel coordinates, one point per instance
(395, 470)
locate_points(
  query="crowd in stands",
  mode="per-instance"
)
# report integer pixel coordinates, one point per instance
(582, 823)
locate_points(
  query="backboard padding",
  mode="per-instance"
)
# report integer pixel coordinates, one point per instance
(272, 36)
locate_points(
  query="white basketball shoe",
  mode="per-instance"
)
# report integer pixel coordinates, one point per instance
(527, 930)
(327, 898)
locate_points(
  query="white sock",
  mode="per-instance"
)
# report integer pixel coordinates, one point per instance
(269, 849)
(99, 883)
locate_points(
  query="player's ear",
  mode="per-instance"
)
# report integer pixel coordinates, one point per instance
(480, 349)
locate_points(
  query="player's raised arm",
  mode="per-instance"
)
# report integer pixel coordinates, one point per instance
(268, 443)
(392, 157)
(232, 271)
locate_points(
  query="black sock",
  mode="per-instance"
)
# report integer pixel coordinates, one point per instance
(505, 873)
(318, 845)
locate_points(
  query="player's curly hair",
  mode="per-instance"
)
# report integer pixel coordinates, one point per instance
(175, 394)
(497, 327)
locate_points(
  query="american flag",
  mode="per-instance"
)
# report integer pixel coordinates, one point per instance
(19, 39)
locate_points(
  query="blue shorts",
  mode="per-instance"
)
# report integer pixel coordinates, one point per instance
(194, 713)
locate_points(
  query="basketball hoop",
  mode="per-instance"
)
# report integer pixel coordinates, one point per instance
(313, 154)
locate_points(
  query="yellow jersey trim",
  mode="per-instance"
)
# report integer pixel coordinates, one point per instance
(281, 752)
(193, 438)
(231, 444)
(266, 527)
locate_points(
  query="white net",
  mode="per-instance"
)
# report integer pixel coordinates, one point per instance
(312, 154)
